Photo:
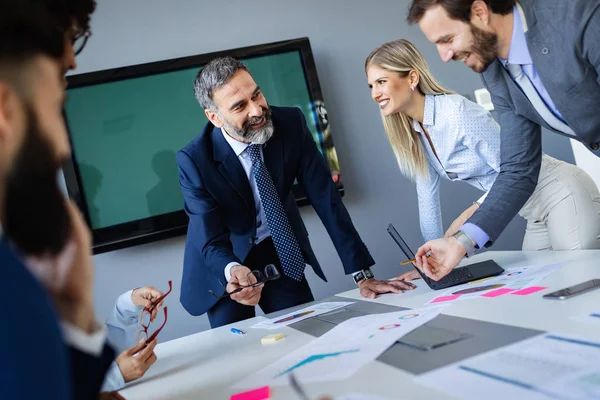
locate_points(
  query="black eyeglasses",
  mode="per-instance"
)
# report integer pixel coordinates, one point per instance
(255, 278)
(79, 41)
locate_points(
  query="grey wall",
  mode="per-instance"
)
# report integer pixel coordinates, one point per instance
(342, 33)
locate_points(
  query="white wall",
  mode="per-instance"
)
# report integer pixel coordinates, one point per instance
(342, 33)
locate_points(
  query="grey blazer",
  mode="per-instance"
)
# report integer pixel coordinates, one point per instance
(563, 38)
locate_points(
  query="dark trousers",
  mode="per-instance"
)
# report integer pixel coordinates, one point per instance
(276, 295)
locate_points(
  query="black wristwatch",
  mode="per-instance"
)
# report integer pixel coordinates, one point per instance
(362, 275)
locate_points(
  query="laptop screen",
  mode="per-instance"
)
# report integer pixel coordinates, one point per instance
(398, 239)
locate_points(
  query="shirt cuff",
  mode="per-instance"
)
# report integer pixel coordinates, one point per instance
(228, 269)
(476, 234)
(92, 344)
(126, 307)
(113, 380)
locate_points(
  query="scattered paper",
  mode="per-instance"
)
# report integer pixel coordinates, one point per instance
(517, 280)
(547, 366)
(312, 311)
(341, 352)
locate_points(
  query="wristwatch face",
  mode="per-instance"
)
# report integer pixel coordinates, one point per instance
(359, 277)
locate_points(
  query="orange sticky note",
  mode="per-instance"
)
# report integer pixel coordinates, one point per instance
(254, 394)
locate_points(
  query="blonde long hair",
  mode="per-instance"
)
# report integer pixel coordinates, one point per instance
(402, 56)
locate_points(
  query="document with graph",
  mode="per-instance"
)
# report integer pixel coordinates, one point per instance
(547, 366)
(342, 351)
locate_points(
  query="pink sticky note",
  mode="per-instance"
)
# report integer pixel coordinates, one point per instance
(529, 290)
(255, 394)
(497, 292)
(445, 298)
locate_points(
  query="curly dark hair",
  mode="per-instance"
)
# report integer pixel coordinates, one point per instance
(67, 11)
(27, 30)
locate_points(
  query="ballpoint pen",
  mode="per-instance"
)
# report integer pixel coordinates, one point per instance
(414, 260)
(291, 317)
(237, 331)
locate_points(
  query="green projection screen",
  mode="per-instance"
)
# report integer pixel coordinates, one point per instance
(126, 131)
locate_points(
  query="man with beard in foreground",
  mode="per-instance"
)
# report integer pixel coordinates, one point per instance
(38, 221)
(237, 178)
(540, 60)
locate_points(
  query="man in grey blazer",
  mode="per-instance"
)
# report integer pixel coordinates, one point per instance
(540, 60)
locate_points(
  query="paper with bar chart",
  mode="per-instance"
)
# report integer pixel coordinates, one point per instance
(341, 352)
(546, 366)
(299, 315)
(518, 281)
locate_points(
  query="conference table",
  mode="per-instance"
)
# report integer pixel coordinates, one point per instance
(207, 364)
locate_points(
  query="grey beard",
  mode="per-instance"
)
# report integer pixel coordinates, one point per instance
(260, 136)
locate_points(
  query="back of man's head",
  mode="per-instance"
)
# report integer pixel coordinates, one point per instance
(456, 9)
(69, 12)
(26, 31)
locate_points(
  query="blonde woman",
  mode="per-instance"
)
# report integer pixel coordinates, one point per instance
(439, 135)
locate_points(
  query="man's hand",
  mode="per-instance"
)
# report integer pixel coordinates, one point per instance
(445, 254)
(74, 300)
(408, 276)
(249, 296)
(135, 361)
(370, 288)
(143, 297)
(461, 220)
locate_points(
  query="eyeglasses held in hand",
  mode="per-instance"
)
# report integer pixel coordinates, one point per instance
(146, 317)
(255, 278)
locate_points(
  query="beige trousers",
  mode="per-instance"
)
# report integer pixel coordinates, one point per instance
(563, 213)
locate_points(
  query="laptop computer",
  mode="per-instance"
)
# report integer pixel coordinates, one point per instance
(458, 276)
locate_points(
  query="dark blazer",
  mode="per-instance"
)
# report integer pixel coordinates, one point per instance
(38, 365)
(563, 38)
(35, 362)
(220, 204)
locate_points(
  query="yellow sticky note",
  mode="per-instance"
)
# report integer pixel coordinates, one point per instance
(272, 338)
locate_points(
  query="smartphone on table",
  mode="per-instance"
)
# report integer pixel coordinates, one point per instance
(574, 290)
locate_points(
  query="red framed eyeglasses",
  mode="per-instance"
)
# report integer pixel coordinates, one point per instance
(146, 317)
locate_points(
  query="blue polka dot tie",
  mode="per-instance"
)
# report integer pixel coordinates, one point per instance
(284, 239)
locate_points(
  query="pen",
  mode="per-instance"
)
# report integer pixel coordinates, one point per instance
(291, 317)
(236, 331)
(413, 260)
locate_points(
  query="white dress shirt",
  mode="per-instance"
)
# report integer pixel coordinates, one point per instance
(123, 328)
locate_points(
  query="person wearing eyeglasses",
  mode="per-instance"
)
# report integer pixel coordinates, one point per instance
(53, 346)
(73, 18)
(438, 135)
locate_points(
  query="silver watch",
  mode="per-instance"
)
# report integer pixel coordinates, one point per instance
(466, 241)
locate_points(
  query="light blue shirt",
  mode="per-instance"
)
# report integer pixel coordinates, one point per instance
(519, 54)
(123, 327)
(467, 142)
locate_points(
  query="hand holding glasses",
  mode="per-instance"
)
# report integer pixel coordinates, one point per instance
(146, 317)
(254, 278)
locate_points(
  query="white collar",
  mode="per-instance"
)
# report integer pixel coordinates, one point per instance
(237, 146)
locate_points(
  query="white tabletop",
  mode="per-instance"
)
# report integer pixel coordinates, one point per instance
(205, 365)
